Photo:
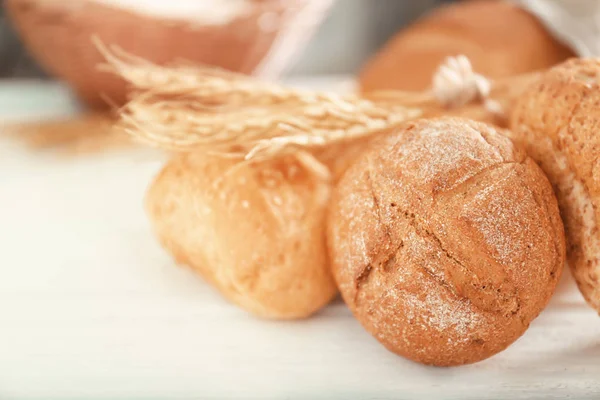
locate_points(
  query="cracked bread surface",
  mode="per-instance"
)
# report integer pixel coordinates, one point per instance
(558, 121)
(445, 241)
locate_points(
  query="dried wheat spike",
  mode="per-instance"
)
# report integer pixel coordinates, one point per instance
(187, 108)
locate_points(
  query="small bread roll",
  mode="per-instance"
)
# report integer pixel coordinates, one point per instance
(256, 233)
(498, 37)
(558, 120)
(445, 241)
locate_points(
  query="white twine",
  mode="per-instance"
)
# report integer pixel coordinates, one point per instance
(456, 84)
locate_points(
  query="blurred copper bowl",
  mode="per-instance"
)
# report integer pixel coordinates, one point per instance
(58, 33)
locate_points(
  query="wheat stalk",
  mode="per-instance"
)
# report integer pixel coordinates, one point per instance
(186, 108)
(196, 108)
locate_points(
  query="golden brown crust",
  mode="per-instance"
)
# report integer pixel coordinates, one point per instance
(477, 29)
(558, 120)
(445, 241)
(256, 234)
(59, 35)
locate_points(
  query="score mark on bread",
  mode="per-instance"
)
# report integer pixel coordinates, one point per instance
(445, 241)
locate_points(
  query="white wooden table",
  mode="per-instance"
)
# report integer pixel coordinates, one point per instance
(92, 308)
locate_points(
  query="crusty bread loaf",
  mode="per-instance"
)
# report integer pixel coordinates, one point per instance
(499, 38)
(59, 35)
(558, 120)
(445, 241)
(256, 233)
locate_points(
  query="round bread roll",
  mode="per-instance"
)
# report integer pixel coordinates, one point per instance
(233, 34)
(558, 121)
(256, 233)
(498, 37)
(445, 241)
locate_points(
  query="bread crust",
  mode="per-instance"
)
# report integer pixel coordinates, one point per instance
(498, 37)
(558, 120)
(445, 241)
(255, 233)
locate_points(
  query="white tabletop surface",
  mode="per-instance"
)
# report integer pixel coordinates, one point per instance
(92, 308)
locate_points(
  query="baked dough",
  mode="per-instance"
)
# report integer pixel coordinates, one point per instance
(558, 120)
(498, 37)
(445, 241)
(255, 232)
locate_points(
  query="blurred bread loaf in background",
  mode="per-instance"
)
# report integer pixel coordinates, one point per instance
(498, 37)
